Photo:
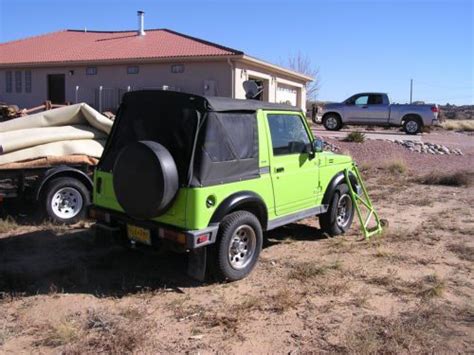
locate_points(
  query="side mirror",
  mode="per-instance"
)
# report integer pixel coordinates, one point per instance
(318, 145)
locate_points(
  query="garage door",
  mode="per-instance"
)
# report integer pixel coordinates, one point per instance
(287, 94)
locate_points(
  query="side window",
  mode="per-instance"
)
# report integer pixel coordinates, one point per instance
(18, 81)
(362, 100)
(28, 81)
(288, 133)
(375, 100)
(8, 81)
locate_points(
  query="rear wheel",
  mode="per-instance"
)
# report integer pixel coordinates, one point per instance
(339, 216)
(412, 125)
(332, 122)
(238, 246)
(65, 200)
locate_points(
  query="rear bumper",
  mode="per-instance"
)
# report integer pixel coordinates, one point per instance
(115, 224)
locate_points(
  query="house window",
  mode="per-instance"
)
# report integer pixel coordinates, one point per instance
(18, 81)
(132, 70)
(91, 71)
(28, 81)
(8, 81)
(177, 68)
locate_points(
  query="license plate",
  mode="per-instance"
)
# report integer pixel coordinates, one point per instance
(138, 234)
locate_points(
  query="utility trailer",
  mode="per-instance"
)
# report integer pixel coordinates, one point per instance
(61, 193)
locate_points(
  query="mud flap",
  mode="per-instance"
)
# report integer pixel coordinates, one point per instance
(197, 260)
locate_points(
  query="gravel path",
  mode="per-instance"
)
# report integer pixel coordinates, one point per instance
(378, 153)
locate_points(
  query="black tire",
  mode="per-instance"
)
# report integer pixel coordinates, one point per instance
(412, 125)
(329, 221)
(332, 122)
(221, 265)
(145, 179)
(65, 200)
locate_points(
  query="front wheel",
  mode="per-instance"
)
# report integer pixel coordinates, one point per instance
(338, 218)
(65, 200)
(332, 122)
(238, 246)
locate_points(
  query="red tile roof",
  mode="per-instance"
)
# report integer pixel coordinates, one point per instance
(81, 46)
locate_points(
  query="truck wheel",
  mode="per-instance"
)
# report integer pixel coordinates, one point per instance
(238, 246)
(332, 122)
(65, 200)
(339, 216)
(412, 125)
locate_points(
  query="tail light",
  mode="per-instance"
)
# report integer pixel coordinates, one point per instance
(434, 109)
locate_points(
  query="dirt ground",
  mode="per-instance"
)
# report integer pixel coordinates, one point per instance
(411, 290)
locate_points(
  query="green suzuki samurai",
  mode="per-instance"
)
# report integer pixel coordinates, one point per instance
(209, 175)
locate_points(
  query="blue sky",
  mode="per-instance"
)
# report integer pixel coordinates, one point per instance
(357, 45)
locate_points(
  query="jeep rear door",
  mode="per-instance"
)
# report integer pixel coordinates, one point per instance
(294, 172)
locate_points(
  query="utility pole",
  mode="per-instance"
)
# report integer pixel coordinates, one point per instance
(411, 90)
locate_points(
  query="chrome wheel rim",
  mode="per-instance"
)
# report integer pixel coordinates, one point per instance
(331, 122)
(344, 208)
(242, 247)
(67, 203)
(412, 126)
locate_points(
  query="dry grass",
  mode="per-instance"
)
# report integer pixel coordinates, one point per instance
(418, 331)
(396, 166)
(5, 333)
(97, 332)
(425, 288)
(65, 332)
(284, 300)
(462, 250)
(309, 270)
(430, 286)
(355, 137)
(458, 125)
(7, 225)
(458, 178)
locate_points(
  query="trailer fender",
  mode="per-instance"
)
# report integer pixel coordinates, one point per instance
(62, 171)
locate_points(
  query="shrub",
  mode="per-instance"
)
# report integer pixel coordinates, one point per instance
(355, 137)
(458, 125)
(397, 166)
(458, 178)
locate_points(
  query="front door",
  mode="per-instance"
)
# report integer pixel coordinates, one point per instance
(294, 172)
(367, 109)
(57, 88)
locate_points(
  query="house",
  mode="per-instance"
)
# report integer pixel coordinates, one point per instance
(97, 67)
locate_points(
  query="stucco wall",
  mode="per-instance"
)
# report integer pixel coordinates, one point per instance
(216, 76)
(194, 78)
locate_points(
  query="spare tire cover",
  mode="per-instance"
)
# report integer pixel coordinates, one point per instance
(145, 179)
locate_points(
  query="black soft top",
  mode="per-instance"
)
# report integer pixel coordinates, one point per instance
(206, 103)
(212, 140)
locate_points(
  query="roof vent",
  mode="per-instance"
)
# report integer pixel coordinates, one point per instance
(141, 23)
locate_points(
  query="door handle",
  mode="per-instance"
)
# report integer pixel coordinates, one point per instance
(365, 106)
(280, 170)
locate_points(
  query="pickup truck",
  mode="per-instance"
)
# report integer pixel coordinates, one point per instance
(376, 109)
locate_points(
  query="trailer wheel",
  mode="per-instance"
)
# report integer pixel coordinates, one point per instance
(65, 200)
